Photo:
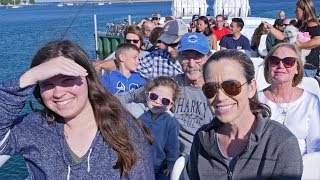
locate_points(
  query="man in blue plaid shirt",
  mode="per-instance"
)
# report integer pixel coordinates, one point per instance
(164, 62)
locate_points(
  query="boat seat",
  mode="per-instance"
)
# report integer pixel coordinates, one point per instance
(178, 167)
(311, 85)
(262, 48)
(311, 168)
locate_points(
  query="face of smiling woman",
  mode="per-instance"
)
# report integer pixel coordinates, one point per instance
(229, 109)
(67, 96)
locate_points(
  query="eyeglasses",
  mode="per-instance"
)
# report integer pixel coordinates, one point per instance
(287, 62)
(172, 45)
(135, 41)
(195, 57)
(230, 88)
(285, 24)
(164, 101)
(155, 18)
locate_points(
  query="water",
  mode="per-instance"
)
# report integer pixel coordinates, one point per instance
(24, 30)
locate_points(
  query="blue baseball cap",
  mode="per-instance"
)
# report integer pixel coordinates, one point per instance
(194, 41)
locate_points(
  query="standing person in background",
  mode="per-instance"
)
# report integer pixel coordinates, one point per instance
(241, 142)
(307, 22)
(160, 94)
(235, 40)
(88, 134)
(219, 30)
(147, 28)
(271, 39)
(155, 18)
(203, 27)
(281, 15)
(291, 106)
(124, 78)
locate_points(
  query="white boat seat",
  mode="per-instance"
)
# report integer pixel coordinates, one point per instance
(311, 168)
(311, 85)
(262, 48)
(178, 167)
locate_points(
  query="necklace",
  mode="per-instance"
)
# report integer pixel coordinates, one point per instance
(282, 111)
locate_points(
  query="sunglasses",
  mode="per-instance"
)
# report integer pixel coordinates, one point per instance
(135, 41)
(172, 45)
(196, 57)
(164, 101)
(230, 88)
(155, 18)
(287, 62)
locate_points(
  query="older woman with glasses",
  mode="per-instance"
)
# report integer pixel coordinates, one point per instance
(290, 105)
(307, 22)
(241, 142)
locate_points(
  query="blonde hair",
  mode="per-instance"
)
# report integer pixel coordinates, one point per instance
(298, 77)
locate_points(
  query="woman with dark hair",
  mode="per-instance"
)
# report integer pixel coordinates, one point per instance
(203, 27)
(241, 142)
(255, 39)
(292, 106)
(82, 132)
(134, 36)
(307, 22)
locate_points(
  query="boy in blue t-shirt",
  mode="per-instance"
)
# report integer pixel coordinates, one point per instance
(124, 78)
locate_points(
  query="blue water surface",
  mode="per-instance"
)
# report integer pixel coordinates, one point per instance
(24, 30)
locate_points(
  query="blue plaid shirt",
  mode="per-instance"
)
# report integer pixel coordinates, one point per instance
(158, 63)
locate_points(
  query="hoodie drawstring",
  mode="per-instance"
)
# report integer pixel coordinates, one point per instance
(88, 165)
(69, 170)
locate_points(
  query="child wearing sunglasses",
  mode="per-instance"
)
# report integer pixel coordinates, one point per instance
(124, 78)
(155, 113)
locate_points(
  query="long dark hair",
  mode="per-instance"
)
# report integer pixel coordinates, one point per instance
(207, 30)
(108, 112)
(247, 65)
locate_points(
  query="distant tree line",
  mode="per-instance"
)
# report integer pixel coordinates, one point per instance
(7, 2)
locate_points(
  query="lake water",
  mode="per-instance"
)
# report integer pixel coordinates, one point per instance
(24, 30)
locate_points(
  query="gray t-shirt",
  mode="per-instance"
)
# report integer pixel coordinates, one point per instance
(192, 111)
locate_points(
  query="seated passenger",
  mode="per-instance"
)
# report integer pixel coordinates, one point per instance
(160, 94)
(241, 142)
(290, 105)
(125, 78)
(235, 40)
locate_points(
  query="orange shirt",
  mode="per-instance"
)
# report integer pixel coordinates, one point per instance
(219, 33)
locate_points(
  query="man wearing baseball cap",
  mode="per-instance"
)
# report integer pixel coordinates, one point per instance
(163, 62)
(191, 109)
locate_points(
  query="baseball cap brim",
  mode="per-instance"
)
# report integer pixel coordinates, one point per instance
(168, 39)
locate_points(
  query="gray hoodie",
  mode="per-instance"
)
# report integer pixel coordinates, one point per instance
(272, 153)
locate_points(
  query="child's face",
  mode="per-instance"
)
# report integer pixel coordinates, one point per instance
(131, 61)
(158, 105)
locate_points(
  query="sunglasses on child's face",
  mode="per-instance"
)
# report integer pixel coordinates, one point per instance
(230, 88)
(287, 62)
(135, 41)
(164, 101)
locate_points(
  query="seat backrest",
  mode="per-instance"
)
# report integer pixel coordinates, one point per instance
(311, 166)
(262, 49)
(311, 85)
(4, 159)
(178, 167)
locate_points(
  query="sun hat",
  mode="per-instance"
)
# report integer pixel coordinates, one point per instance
(194, 41)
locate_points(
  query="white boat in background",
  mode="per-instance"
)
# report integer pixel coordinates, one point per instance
(69, 4)
(100, 4)
(60, 5)
(15, 6)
